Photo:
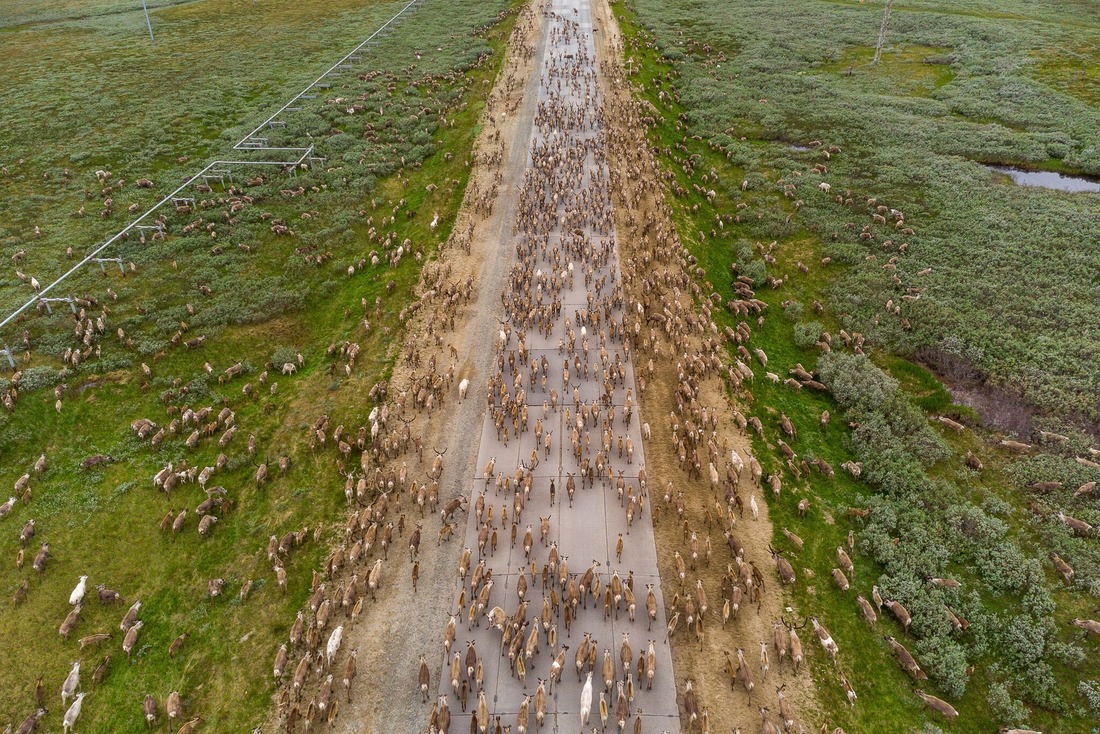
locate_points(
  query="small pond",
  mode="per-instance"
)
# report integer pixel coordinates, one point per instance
(1049, 179)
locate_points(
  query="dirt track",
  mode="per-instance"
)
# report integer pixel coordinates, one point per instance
(562, 222)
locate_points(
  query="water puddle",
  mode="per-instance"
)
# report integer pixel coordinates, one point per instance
(1049, 179)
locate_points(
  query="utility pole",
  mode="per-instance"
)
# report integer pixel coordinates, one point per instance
(149, 25)
(882, 33)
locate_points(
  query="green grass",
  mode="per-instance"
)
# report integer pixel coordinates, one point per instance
(921, 385)
(91, 94)
(954, 491)
(104, 522)
(916, 70)
(1073, 70)
(17, 15)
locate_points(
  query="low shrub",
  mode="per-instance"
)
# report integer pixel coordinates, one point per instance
(1005, 568)
(1006, 707)
(1090, 691)
(807, 333)
(944, 661)
(284, 355)
(757, 270)
(36, 378)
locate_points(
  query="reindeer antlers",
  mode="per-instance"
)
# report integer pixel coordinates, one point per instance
(791, 626)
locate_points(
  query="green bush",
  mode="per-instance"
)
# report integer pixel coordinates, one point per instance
(1005, 568)
(284, 355)
(148, 347)
(36, 378)
(54, 343)
(792, 310)
(893, 435)
(943, 659)
(1069, 654)
(807, 333)
(106, 364)
(1090, 690)
(743, 248)
(1007, 708)
(757, 270)
(1023, 639)
(974, 527)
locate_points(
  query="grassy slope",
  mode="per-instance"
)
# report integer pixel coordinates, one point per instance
(104, 523)
(883, 688)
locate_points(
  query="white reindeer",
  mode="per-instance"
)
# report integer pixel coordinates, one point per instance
(333, 646)
(73, 713)
(586, 700)
(78, 592)
(72, 682)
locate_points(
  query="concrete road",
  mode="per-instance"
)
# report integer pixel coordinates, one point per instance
(568, 117)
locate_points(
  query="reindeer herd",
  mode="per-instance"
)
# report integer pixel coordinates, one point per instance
(562, 368)
(602, 306)
(568, 363)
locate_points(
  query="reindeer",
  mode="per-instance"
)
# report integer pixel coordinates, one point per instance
(437, 465)
(938, 705)
(782, 566)
(796, 643)
(825, 639)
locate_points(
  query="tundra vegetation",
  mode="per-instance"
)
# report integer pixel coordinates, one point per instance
(959, 85)
(234, 309)
(973, 532)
